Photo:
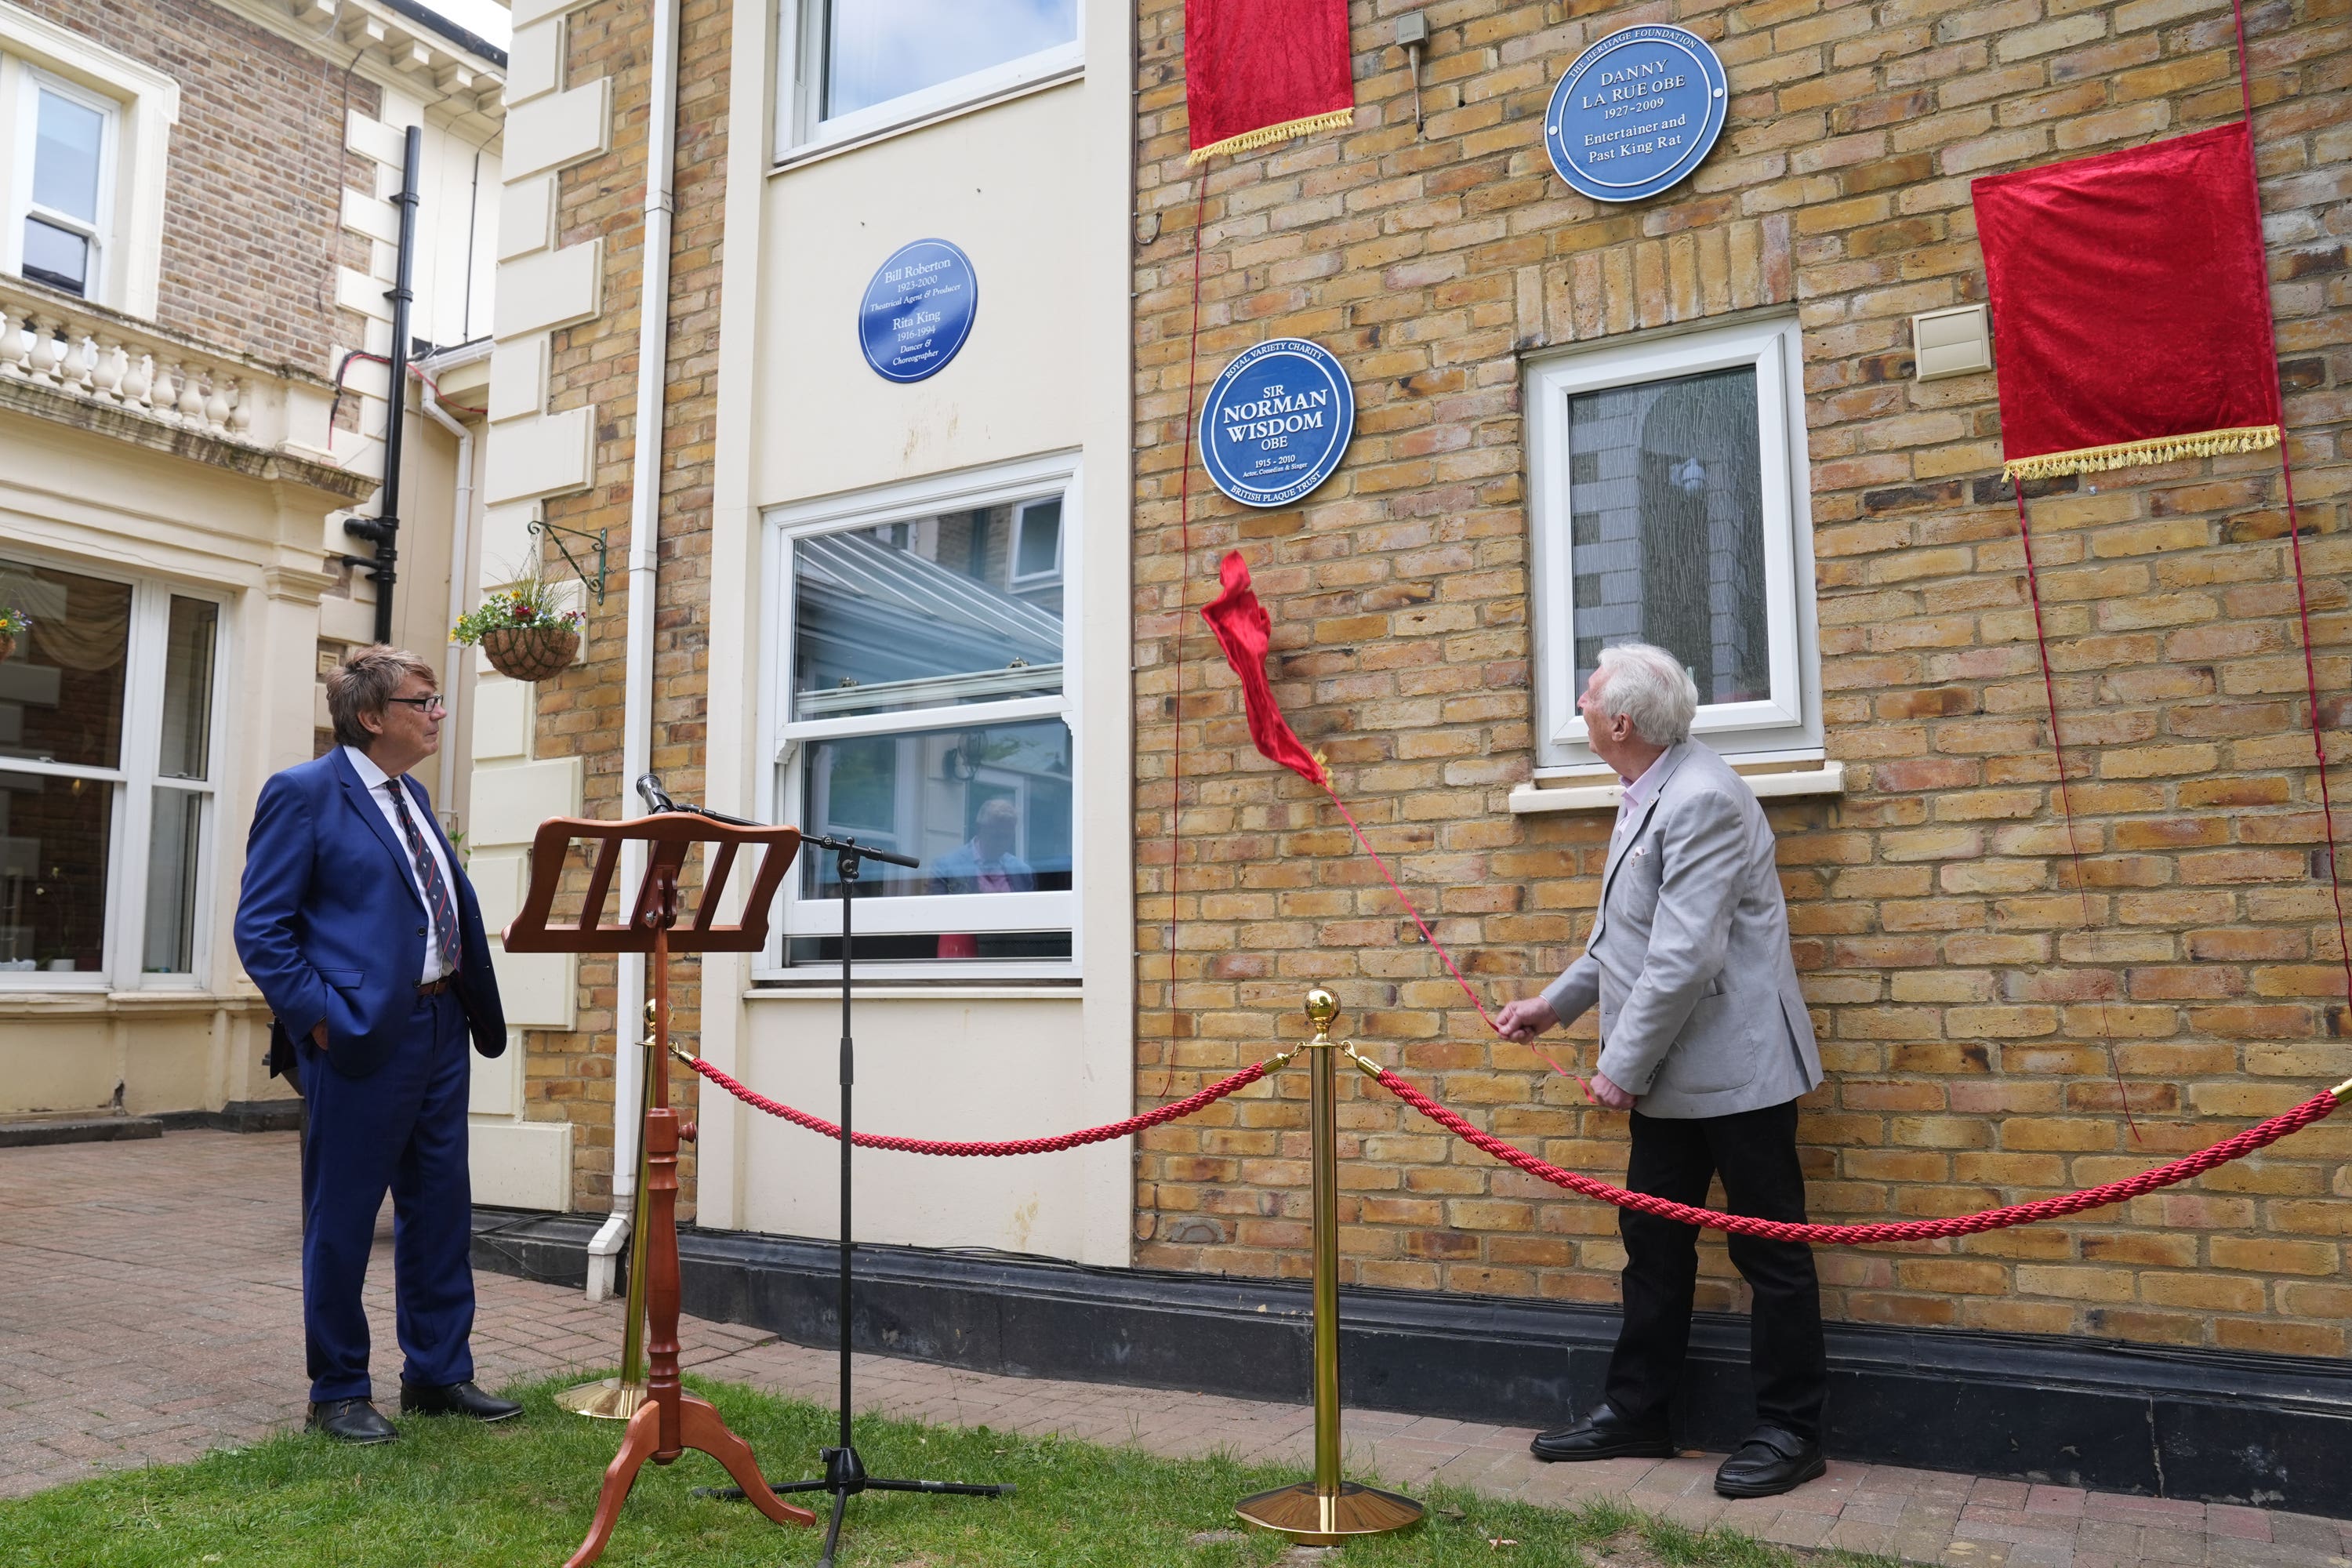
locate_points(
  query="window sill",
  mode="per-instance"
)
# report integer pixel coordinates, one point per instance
(817, 151)
(1829, 778)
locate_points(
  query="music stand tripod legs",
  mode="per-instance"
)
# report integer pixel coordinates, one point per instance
(845, 1473)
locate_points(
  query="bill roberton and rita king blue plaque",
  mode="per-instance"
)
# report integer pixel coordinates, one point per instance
(1277, 422)
(1636, 113)
(919, 310)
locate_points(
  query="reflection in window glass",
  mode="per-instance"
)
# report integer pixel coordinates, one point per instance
(173, 853)
(986, 810)
(53, 860)
(876, 50)
(1667, 538)
(61, 694)
(188, 688)
(56, 257)
(922, 614)
(66, 146)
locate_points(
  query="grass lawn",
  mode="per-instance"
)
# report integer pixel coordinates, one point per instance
(451, 1494)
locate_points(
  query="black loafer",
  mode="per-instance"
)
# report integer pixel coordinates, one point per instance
(1770, 1462)
(1603, 1435)
(454, 1399)
(350, 1421)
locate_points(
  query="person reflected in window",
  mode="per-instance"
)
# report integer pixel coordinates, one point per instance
(986, 863)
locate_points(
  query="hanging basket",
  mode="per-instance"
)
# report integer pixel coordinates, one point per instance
(7, 647)
(531, 653)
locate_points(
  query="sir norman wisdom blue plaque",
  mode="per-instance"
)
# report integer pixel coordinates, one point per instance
(918, 310)
(1277, 422)
(1636, 113)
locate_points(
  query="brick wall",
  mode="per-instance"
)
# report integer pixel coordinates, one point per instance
(569, 1076)
(255, 173)
(1967, 995)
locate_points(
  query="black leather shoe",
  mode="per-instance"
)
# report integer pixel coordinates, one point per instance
(1603, 1435)
(454, 1399)
(350, 1421)
(1770, 1462)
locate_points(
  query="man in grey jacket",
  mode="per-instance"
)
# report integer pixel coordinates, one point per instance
(1705, 1040)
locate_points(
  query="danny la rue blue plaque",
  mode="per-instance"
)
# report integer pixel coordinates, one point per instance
(1277, 422)
(919, 309)
(1636, 113)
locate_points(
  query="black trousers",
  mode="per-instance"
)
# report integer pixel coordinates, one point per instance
(1756, 1153)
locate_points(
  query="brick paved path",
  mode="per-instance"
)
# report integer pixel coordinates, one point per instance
(151, 1309)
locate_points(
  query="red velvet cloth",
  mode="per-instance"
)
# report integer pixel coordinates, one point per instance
(1262, 66)
(1245, 633)
(2130, 296)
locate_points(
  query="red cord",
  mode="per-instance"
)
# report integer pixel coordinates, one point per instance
(1172, 1112)
(2179, 1171)
(2065, 800)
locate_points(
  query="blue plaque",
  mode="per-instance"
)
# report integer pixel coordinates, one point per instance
(1277, 422)
(918, 310)
(1636, 113)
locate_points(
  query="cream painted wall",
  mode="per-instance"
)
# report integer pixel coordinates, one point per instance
(1037, 190)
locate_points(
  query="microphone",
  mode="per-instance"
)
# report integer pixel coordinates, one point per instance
(656, 798)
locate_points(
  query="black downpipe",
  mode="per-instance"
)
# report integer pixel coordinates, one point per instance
(382, 531)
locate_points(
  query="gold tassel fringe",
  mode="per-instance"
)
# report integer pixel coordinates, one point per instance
(2134, 454)
(1266, 135)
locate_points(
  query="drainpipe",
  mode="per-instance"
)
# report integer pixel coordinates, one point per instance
(382, 531)
(460, 531)
(638, 685)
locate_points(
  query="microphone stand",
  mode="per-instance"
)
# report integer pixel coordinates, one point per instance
(845, 1473)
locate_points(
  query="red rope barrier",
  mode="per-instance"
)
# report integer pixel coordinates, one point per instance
(1174, 1111)
(2179, 1171)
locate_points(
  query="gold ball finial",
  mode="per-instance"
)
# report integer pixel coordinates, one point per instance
(1321, 1008)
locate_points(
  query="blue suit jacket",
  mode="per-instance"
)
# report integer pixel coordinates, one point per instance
(331, 926)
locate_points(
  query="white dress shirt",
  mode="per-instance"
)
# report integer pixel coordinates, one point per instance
(1638, 795)
(374, 778)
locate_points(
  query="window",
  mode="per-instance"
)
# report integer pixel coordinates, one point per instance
(924, 705)
(861, 65)
(1669, 509)
(65, 141)
(108, 707)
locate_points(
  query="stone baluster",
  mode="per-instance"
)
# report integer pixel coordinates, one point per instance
(138, 378)
(45, 341)
(12, 342)
(106, 370)
(217, 402)
(77, 357)
(240, 413)
(192, 402)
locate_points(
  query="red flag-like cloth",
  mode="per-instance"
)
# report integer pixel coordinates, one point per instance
(1245, 633)
(2131, 303)
(1258, 70)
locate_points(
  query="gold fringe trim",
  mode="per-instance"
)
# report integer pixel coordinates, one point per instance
(1266, 135)
(2134, 454)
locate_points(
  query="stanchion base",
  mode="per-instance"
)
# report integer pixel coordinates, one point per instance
(1312, 1520)
(607, 1399)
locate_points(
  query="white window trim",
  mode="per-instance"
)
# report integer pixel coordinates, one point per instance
(31, 82)
(148, 105)
(1788, 724)
(779, 788)
(800, 53)
(123, 962)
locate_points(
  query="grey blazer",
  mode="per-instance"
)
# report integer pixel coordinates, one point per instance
(1700, 1012)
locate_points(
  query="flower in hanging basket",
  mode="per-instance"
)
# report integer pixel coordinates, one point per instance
(14, 624)
(523, 631)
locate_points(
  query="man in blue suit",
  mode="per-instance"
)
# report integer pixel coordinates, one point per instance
(361, 931)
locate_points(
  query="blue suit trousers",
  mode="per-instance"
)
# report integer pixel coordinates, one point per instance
(402, 1129)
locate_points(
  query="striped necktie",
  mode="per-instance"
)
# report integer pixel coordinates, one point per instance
(436, 892)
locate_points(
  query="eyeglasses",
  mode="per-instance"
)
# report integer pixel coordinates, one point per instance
(433, 706)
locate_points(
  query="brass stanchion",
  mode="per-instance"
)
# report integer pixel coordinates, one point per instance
(1327, 1510)
(617, 1398)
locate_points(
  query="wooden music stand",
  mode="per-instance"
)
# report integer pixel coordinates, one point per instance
(671, 1420)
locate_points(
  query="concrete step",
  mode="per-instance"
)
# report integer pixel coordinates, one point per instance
(27, 1133)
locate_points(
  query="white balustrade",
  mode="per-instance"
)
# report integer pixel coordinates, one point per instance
(101, 356)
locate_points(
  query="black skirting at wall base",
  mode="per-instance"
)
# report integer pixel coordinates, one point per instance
(240, 1116)
(2203, 1425)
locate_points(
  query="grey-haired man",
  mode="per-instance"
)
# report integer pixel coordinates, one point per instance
(1705, 1040)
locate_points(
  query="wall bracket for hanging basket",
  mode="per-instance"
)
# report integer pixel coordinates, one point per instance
(556, 533)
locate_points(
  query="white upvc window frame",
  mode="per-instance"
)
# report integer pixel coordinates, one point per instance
(1028, 480)
(800, 66)
(1783, 726)
(31, 82)
(145, 105)
(135, 784)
